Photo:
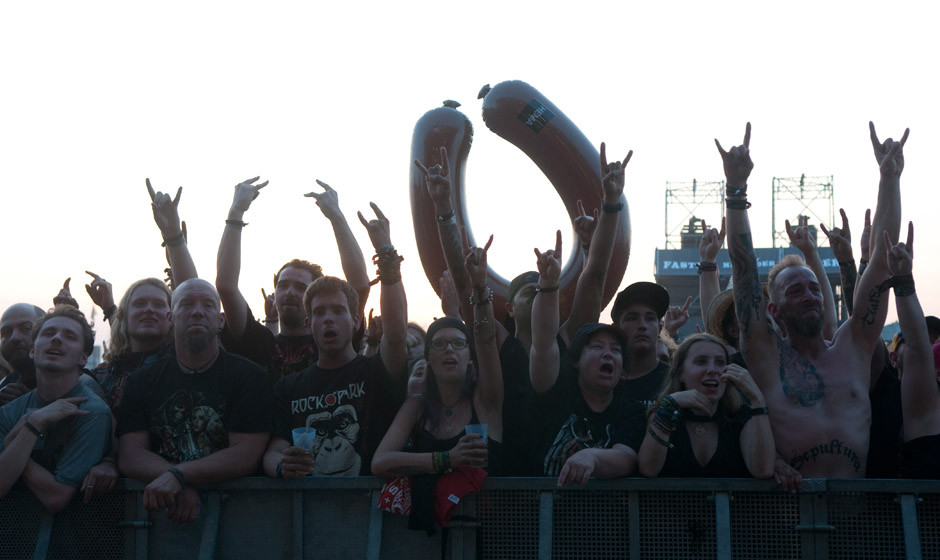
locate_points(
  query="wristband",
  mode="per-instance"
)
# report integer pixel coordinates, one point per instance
(734, 191)
(179, 476)
(177, 239)
(612, 208)
(109, 312)
(274, 320)
(236, 223)
(448, 218)
(540, 289)
(34, 429)
(737, 203)
(706, 267)
(658, 439)
(475, 301)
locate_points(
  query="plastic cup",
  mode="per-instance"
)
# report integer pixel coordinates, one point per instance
(305, 438)
(482, 429)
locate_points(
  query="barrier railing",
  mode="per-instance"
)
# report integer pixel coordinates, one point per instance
(509, 518)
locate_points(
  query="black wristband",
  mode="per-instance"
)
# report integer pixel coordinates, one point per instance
(612, 208)
(109, 312)
(541, 290)
(734, 191)
(737, 203)
(903, 285)
(179, 476)
(706, 267)
(448, 218)
(177, 239)
(236, 223)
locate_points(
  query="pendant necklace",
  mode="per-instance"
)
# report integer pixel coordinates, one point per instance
(701, 420)
(449, 412)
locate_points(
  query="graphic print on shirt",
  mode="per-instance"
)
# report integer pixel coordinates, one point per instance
(188, 426)
(575, 434)
(335, 448)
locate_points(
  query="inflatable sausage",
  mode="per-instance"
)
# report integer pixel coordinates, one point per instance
(520, 114)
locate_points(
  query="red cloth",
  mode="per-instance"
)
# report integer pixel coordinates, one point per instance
(451, 487)
(396, 496)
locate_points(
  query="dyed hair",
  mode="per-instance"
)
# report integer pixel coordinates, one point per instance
(120, 341)
(88, 334)
(730, 401)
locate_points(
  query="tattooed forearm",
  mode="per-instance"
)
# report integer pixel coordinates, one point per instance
(848, 276)
(453, 255)
(747, 293)
(874, 300)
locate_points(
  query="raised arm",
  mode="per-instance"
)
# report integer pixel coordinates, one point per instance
(840, 239)
(544, 357)
(757, 439)
(350, 254)
(229, 260)
(708, 247)
(392, 303)
(920, 398)
(166, 216)
(872, 306)
(802, 238)
(757, 334)
(488, 397)
(102, 295)
(589, 291)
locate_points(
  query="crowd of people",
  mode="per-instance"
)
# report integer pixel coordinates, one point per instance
(194, 389)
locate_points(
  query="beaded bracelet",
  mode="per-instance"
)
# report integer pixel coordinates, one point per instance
(658, 439)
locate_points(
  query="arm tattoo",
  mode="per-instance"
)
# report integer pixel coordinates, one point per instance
(747, 292)
(848, 277)
(874, 300)
(453, 256)
(799, 379)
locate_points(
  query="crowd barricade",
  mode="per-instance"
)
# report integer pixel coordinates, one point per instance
(509, 518)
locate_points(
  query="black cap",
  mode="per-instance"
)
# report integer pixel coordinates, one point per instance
(647, 293)
(518, 282)
(443, 323)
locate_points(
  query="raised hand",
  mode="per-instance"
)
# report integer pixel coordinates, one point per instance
(676, 317)
(100, 291)
(165, 210)
(378, 229)
(741, 378)
(327, 201)
(64, 297)
(475, 262)
(900, 256)
(889, 154)
(245, 193)
(840, 239)
(711, 242)
(612, 175)
(374, 329)
(801, 237)
(865, 241)
(737, 162)
(436, 179)
(696, 401)
(549, 264)
(270, 308)
(585, 225)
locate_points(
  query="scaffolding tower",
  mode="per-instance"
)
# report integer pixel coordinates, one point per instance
(801, 196)
(690, 198)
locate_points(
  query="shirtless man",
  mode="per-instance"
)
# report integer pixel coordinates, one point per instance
(817, 391)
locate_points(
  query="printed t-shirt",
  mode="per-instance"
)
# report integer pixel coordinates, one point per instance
(351, 407)
(646, 388)
(112, 376)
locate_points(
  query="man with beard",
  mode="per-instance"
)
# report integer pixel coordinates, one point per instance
(348, 398)
(292, 349)
(16, 341)
(54, 434)
(156, 445)
(817, 391)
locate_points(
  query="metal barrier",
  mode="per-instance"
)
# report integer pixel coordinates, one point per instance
(509, 518)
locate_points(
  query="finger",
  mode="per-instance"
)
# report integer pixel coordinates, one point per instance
(585, 476)
(150, 190)
(183, 229)
(688, 302)
(874, 136)
(313, 195)
(176, 199)
(464, 240)
(789, 229)
(565, 469)
(444, 163)
(423, 169)
(264, 295)
(378, 211)
(720, 149)
(822, 226)
(845, 221)
(868, 218)
(721, 234)
(698, 328)
(371, 309)
(250, 181)
(488, 243)
(261, 185)
(603, 158)
(581, 213)
(626, 160)
(907, 131)
(558, 244)
(362, 219)
(93, 275)
(804, 221)
(324, 185)
(910, 238)
(65, 285)
(887, 241)
(89, 492)
(747, 135)
(704, 226)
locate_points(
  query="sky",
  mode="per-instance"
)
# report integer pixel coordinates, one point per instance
(98, 96)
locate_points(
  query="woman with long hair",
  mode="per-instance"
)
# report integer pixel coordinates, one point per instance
(711, 419)
(456, 392)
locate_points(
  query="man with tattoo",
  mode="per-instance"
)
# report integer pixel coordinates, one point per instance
(816, 389)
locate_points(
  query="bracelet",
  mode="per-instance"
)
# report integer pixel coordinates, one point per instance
(385, 249)
(388, 264)
(476, 302)
(448, 218)
(440, 461)
(706, 267)
(34, 429)
(540, 289)
(179, 476)
(737, 203)
(478, 323)
(734, 191)
(658, 439)
(177, 239)
(236, 223)
(612, 208)
(109, 312)
(745, 413)
(280, 471)
(903, 285)
(274, 320)
(846, 264)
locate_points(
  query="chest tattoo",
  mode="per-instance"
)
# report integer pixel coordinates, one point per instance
(801, 383)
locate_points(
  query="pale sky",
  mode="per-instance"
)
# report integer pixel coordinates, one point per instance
(99, 95)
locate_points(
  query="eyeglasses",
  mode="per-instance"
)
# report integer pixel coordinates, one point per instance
(456, 344)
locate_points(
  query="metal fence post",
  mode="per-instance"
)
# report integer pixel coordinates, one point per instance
(911, 533)
(723, 524)
(546, 514)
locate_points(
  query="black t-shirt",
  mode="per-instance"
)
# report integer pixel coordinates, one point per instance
(727, 462)
(568, 425)
(190, 415)
(351, 407)
(279, 355)
(887, 419)
(517, 400)
(646, 388)
(112, 376)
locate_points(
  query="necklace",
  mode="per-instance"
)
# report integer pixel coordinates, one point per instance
(702, 420)
(192, 371)
(449, 413)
